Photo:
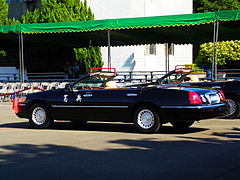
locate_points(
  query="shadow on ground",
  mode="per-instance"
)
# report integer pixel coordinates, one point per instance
(186, 158)
(104, 127)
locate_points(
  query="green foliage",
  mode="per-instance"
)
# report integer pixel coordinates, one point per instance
(3, 12)
(66, 11)
(3, 53)
(87, 57)
(215, 5)
(227, 53)
(4, 19)
(196, 68)
(59, 11)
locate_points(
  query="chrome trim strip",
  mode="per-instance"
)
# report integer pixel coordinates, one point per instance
(70, 106)
(194, 107)
(87, 95)
(216, 87)
(22, 104)
(131, 94)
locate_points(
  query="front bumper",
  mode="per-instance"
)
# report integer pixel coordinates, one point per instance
(23, 111)
(198, 112)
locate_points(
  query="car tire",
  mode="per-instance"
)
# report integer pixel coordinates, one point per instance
(234, 107)
(146, 119)
(79, 123)
(39, 116)
(182, 125)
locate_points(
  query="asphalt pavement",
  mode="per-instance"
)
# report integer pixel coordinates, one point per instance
(210, 149)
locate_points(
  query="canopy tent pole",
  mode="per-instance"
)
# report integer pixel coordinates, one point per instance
(21, 59)
(166, 57)
(109, 49)
(214, 60)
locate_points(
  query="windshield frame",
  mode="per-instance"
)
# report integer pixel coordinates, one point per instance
(183, 74)
(107, 75)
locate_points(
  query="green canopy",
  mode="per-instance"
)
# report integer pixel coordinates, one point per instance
(178, 29)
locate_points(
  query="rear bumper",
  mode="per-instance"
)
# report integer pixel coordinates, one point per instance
(194, 112)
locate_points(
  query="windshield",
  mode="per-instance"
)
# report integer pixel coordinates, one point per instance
(94, 81)
(175, 77)
(179, 76)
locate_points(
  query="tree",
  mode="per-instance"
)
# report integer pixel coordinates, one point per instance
(215, 5)
(228, 52)
(3, 12)
(65, 11)
(4, 20)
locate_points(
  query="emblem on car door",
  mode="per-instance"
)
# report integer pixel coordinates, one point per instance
(65, 98)
(79, 98)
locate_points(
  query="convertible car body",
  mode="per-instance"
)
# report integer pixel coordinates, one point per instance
(97, 97)
(187, 77)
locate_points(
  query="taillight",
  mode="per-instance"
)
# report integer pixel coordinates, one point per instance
(222, 95)
(194, 98)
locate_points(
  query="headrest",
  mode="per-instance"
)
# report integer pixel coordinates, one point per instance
(111, 84)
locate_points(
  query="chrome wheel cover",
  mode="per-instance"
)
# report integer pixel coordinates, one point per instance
(232, 106)
(145, 119)
(39, 116)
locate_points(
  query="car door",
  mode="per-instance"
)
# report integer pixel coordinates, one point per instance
(102, 104)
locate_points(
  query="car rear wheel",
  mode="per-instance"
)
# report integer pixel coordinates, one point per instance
(182, 125)
(39, 116)
(234, 107)
(146, 119)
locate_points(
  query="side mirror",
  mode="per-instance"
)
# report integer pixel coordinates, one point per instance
(68, 87)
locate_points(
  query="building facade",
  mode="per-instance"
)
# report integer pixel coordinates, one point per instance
(19, 7)
(151, 57)
(146, 57)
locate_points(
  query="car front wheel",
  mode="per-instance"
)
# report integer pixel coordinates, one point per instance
(146, 119)
(39, 116)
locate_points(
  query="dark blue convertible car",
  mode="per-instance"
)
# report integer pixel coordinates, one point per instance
(188, 77)
(97, 97)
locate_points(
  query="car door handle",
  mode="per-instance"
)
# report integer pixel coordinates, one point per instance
(87, 95)
(132, 94)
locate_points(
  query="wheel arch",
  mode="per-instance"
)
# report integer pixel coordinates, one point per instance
(40, 102)
(232, 95)
(139, 104)
(235, 98)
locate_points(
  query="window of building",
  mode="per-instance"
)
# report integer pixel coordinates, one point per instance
(171, 49)
(150, 49)
(14, 1)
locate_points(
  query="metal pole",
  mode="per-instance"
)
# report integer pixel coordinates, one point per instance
(166, 58)
(109, 49)
(213, 58)
(215, 40)
(22, 57)
(216, 47)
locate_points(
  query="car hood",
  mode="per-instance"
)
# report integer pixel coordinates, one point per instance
(43, 93)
